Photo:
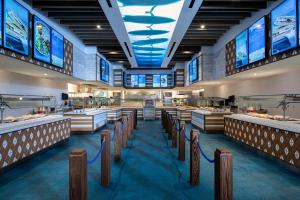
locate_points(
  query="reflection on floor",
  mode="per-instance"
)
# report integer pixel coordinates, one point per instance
(149, 170)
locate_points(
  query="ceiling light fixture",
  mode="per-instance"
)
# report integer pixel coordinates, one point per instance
(202, 26)
(98, 26)
(45, 74)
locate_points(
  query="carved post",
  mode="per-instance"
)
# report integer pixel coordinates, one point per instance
(181, 145)
(78, 175)
(174, 133)
(194, 158)
(135, 118)
(170, 127)
(117, 141)
(105, 159)
(223, 175)
(128, 127)
(124, 132)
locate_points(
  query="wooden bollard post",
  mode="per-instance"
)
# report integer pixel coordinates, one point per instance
(135, 118)
(181, 145)
(124, 132)
(170, 127)
(174, 133)
(132, 122)
(194, 158)
(78, 175)
(105, 159)
(117, 142)
(128, 127)
(223, 175)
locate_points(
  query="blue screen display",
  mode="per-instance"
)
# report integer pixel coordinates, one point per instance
(16, 27)
(164, 80)
(1, 23)
(142, 80)
(284, 27)
(134, 80)
(57, 49)
(257, 41)
(241, 53)
(193, 67)
(41, 41)
(156, 81)
(104, 70)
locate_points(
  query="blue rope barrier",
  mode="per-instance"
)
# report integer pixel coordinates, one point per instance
(114, 136)
(98, 154)
(188, 139)
(204, 155)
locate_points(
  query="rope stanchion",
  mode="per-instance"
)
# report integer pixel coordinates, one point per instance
(203, 154)
(105, 159)
(117, 141)
(114, 136)
(98, 154)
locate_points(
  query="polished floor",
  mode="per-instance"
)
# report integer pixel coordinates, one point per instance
(149, 170)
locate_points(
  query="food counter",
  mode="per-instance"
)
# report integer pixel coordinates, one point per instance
(279, 139)
(127, 110)
(113, 114)
(170, 110)
(209, 120)
(87, 120)
(185, 113)
(22, 139)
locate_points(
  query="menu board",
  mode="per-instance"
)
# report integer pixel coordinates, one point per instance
(284, 27)
(164, 80)
(241, 49)
(156, 81)
(142, 81)
(57, 49)
(257, 41)
(16, 27)
(104, 70)
(134, 80)
(193, 68)
(42, 40)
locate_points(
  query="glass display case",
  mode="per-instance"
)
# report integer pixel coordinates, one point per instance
(269, 106)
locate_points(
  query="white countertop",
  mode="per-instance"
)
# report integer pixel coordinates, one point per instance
(206, 112)
(15, 126)
(88, 112)
(283, 125)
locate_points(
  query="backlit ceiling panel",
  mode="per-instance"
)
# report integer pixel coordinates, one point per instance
(150, 25)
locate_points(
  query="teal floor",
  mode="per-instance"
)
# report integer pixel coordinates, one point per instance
(149, 170)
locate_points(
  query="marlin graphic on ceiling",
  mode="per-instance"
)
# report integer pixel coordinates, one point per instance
(150, 25)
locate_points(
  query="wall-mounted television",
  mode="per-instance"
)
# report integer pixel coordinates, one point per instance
(142, 81)
(134, 80)
(41, 40)
(194, 70)
(16, 27)
(1, 23)
(156, 81)
(104, 70)
(164, 80)
(57, 49)
(241, 51)
(257, 41)
(284, 27)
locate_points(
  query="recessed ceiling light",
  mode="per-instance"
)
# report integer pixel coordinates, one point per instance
(45, 74)
(202, 26)
(113, 52)
(187, 52)
(98, 26)
(255, 74)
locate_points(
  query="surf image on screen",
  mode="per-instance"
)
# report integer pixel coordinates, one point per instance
(257, 41)
(104, 71)
(134, 80)
(57, 49)
(193, 70)
(142, 80)
(164, 80)
(242, 49)
(156, 81)
(284, 27)
(16, 25)
(42, 40)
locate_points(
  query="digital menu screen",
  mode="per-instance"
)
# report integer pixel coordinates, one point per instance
(16, 27)
(41, 41)
(284, 27)
(164, 80)
(257, 41)
(193, 68)
(156, 81)
(104, 70)
(57, 49)
(241, 53)
(1, 23)
(134, 80)
(142, 81)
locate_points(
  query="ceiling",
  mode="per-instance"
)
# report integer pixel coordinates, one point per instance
(83, 16)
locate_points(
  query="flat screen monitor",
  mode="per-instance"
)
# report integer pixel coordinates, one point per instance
(104, 70)
(142, 81)
(16, 27)
(193, 68)
(1, 23)
(156, 81)
(41, 40)
(284, 27)
(164, 80)
(134, 81)
(241, 53)
(257, 41)
(57, 49)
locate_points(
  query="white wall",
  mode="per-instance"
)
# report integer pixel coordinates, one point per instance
(13, 83)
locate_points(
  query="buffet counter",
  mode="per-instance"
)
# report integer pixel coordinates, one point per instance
(279, 139)
(208, 120)
(22, 139)
(170, 110)
(87, 120)
(185, 113)
(113, 114)
(140, 112)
